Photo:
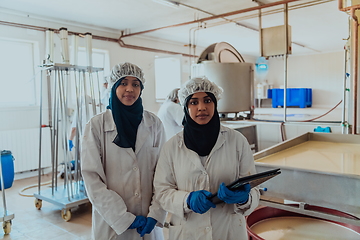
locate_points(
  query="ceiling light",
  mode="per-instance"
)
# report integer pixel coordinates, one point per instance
(169, 3)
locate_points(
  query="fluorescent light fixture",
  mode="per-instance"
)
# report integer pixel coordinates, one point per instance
(169, 3)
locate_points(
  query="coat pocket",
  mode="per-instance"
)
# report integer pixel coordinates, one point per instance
(153, 156)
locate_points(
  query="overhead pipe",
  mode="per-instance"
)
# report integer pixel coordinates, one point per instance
(102, 38)
(354, 53)
(213, 17)
(124, 45)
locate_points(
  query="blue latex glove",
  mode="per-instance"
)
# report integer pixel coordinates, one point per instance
(239, 196)
(71, 145)
(198, 202)
(139, 222)
(149, 226)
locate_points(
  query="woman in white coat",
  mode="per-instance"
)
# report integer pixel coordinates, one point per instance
(171, 114)
(120, 150)
(201, 160)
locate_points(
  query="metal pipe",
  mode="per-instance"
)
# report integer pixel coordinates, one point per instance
(213, 17)
(99, 96)
(48, 83)
(344, 93)
(286, 20)
(354, 54)
(260, 35)
(56, 136)
(124, 45)
(86, 105)
(355, 67)
(116, 40)
(39, 179)
(52, 130)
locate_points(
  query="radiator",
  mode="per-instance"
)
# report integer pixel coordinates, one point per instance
(24, 145)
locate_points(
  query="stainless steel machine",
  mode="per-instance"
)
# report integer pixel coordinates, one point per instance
(337, 189)
(222, 64)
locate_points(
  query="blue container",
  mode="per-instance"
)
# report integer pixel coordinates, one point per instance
(295, 97)
(320, 129)
(7, 164)
(269, 93)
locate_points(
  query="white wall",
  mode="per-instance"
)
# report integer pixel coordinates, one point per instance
(321, 72)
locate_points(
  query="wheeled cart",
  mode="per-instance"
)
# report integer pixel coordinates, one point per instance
(60, 79)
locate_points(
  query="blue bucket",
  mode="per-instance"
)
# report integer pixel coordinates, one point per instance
(7, 164)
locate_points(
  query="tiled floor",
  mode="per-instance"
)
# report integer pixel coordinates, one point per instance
(47, 223)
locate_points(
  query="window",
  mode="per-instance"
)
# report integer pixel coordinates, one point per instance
(167, 75)
(17, 72)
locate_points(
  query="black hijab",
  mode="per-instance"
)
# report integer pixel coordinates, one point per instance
(126, 118)
(201, 138)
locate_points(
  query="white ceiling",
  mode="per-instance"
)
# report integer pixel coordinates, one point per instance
(321, 28)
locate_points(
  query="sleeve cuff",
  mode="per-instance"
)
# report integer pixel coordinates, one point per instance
(186, 207)
(121, 226)
(243, 207)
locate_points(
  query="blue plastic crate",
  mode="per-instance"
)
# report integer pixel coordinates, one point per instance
(295, 97)
(7, 164)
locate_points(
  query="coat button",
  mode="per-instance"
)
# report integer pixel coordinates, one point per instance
(135, 169)
(136, 194)
(204, 173)
(207, 228)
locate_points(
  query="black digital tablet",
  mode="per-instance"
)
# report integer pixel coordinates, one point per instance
(254, 180)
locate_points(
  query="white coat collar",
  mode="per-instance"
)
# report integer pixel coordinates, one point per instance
(219, 142)
(144, 127)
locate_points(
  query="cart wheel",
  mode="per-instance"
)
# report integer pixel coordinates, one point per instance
(7, 227)
(66, 214)
(38, 203)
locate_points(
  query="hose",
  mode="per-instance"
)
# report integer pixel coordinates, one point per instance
(32, 186)
(282, 126)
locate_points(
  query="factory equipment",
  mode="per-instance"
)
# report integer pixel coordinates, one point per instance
(248, 130)
(222, 64)
(60, 79)
(72, 193)
(318, 169)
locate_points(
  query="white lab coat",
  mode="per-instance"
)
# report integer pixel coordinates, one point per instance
(119, 182)
(180, 171)
(171, 114)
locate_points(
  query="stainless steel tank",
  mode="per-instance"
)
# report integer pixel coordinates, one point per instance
(236, 79)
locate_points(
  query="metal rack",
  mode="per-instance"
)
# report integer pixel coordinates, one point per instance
(59, 79)
(5, 216)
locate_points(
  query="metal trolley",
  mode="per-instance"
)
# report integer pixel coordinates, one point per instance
(72, 193)
(5, 215)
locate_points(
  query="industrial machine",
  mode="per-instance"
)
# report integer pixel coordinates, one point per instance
(222, 64)
(60, 77)
(325, 175)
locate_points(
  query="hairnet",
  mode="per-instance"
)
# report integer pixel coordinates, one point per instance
(173, 95)
(122, 70)
(199, 84)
